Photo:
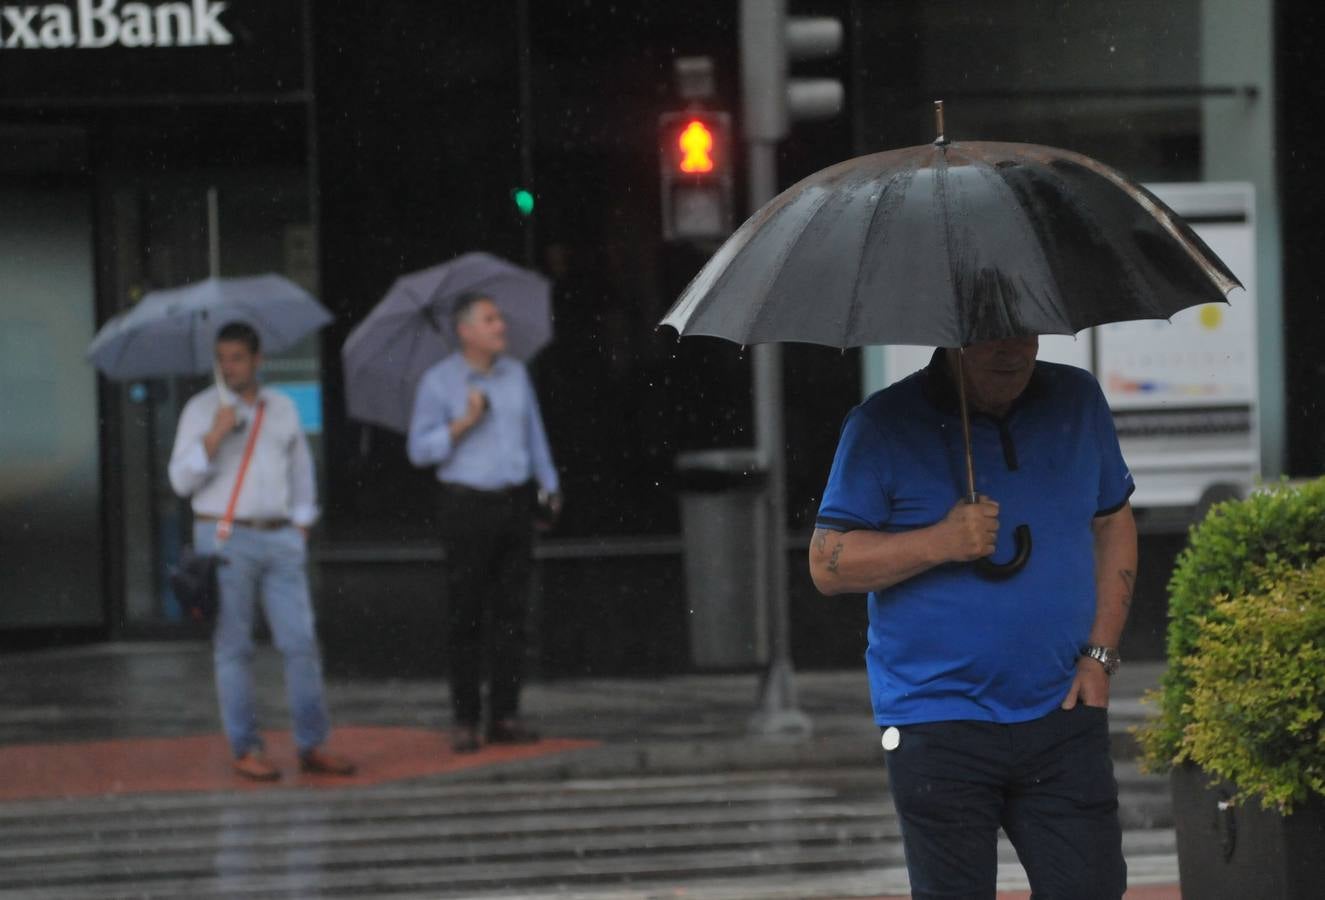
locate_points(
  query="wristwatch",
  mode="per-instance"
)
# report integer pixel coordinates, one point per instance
(1105, 656)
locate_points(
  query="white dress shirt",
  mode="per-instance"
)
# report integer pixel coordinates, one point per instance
(279, 483)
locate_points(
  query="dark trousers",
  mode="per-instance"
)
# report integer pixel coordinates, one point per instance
(488, 538)
(1049, 783)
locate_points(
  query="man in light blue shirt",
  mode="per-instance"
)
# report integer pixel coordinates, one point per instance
(476, 421)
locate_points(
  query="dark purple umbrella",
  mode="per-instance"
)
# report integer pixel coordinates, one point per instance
(410, 330)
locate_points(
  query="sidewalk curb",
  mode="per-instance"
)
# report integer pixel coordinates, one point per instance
(685, 757)
(714, 755)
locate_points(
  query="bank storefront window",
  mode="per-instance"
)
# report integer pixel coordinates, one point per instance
(145, 109)
(183, 226)
(50, 553)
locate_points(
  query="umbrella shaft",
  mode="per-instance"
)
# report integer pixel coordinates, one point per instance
(971, 495)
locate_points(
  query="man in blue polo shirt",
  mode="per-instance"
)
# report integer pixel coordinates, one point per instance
(992, 694)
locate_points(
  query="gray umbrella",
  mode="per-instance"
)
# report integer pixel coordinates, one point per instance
(948, 244)
(171, 332)
(410, 330)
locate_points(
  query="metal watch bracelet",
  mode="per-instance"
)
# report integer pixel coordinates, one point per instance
(1105, 656)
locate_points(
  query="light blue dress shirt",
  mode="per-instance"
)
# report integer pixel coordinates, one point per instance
(505, 448)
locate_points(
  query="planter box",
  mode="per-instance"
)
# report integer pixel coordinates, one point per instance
(1244, 852)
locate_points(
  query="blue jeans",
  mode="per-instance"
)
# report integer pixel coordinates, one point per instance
(268, 565)
(1049, 783)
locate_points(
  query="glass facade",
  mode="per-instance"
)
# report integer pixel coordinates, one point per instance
(376, 141)
(1120, 81)
(50, 484)
(108, 155)
(168, 233)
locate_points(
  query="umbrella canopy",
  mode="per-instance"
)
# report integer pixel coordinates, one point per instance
(410, 331)
(172, 332)
(951, 244)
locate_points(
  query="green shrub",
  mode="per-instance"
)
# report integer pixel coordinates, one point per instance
(1229, 553)
(1257, 704)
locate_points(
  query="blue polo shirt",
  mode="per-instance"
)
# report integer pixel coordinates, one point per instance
(948, 643)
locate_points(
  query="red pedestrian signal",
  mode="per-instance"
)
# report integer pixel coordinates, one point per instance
(696, 145)
(695, 165)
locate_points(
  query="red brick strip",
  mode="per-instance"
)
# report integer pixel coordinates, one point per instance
(202, 762)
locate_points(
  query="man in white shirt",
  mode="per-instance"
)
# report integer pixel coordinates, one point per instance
(266, 553)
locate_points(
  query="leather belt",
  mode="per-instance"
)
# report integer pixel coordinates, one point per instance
(256, 524)
(465, 490)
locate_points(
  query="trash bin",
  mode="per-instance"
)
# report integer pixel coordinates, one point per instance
(720, 496)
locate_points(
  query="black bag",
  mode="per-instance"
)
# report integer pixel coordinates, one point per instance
(194, 583)
(194, 578)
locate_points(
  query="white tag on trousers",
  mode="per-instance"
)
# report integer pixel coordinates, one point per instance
(892, 738)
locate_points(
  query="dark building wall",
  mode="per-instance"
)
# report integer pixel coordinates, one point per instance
(417, 146)
(416, 139)
(1117, 81)
(419, 141)
(1300, 38)
(138, 134)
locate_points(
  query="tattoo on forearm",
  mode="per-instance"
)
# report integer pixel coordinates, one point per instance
(1129, 584)
(820, 540)
(832, 560)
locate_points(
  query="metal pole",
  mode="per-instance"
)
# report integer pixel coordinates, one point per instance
(213, 233)
(778, 714)
(764, 111)
(971, 495)
(526, 75)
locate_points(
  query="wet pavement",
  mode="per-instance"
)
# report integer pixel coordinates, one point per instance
(666, 797)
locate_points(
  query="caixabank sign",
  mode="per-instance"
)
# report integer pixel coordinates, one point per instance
(97, 24)
(77, 51)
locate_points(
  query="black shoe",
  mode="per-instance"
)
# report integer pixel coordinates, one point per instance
(511, 731)
(464, 739)
(319, 762)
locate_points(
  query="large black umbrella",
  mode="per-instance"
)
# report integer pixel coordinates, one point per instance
(948, 244)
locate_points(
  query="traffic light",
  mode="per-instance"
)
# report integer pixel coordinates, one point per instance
(694, 148)
(696, 144)
(770, 41)
(523, 200)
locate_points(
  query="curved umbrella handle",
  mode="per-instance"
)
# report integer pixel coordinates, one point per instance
(997, 571)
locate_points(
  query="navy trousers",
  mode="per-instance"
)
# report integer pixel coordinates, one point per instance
(1048, 783)
(489, 541)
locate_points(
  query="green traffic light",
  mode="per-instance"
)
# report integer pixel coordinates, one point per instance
(524, 201)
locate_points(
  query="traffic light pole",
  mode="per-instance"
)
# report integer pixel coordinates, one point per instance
(778, 713)
(526, 75)
(770, 40)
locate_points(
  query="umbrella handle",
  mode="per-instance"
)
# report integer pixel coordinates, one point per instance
(997, 571)
(986, 567)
